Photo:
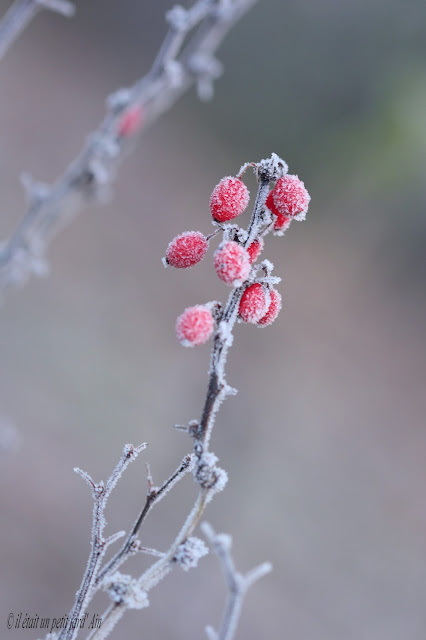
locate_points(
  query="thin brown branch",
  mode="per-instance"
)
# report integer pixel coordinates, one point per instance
(154, 495)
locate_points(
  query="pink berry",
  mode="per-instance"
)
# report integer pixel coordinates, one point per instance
(194, 326)
(232, 263)
(187, 249)
(254, 303)
(290, 197)
(273, 309)
(255, 249)
(229, 199)
(130, 122)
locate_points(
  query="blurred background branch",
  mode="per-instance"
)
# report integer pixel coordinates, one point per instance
(176, 68)
(20, 15)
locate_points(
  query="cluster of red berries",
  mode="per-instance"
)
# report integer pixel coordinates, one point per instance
(260, 303)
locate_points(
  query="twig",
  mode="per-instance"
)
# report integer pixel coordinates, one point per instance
(184, 58)
(20, 14)
(154, 495)
(237, 583)
(101, 492)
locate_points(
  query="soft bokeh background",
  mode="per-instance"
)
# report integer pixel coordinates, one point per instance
(325, 443)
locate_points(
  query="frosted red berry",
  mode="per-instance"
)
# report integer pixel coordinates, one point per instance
(282, 223)
(232, 263)
(273, 309)
(271, 204)
(187, 249)
(194, 326)
(290, 197)
(254, 303)
(229, 199)
(130, 121)
(255, 249)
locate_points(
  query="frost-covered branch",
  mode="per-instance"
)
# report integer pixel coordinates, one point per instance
(154, 495)
(20, 14)
(237, 584)
(186, 57)
(196, 325)
(101, 492)
(252, 299)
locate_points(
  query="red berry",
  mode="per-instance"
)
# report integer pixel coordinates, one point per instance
(130, 122)
(290, 197)
(255, 249)
(254, 303)
(194, 326)
(273, 309)
(229, 198)
(271, 205)
(187, 249)
(232, 263)
(282, 223)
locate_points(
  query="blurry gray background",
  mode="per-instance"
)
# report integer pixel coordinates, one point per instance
(325, 443)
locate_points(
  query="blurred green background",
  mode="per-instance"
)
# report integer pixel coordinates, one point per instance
(325, 444)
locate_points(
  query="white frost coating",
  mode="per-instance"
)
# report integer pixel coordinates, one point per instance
(124, 590)
(178, 18)
(275, 165)
(211, 633)
(119, 100)
(175, 72)
(267, 265)
(209, 475)
(270, 280)
(189, 553)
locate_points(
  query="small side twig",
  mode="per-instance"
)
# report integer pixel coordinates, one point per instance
(155, 494)
(237, 583)
(101, 492)
(20, 14)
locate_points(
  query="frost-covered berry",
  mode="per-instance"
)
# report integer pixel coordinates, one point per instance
(273, 309)
(229, 199)
(194, 326)
(281, 224)
(271, 204)
(255, 249)
(290, 197)
(130, 122)
(187, 249)
(254, 303)
(232, 263)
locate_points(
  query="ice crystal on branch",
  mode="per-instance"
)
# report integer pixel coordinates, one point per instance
(190, 552)
(124, 590)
